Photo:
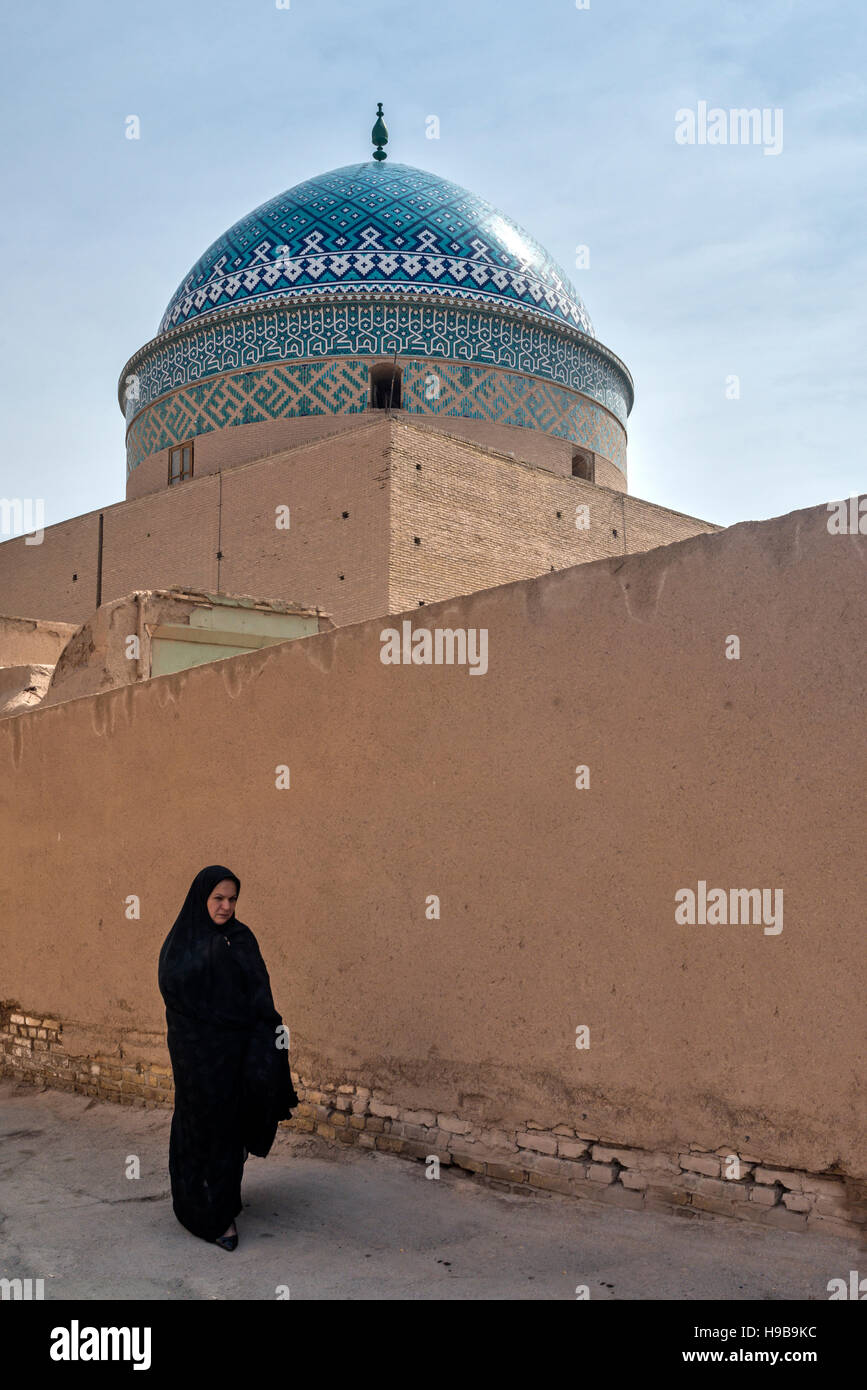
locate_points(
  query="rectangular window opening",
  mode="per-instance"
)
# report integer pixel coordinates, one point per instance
(181, 462)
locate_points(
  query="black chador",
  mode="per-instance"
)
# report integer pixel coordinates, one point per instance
(229, 1058)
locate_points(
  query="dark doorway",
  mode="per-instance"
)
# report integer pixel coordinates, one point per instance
(385, 386)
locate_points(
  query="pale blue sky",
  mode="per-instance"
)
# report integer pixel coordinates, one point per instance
(705, 261)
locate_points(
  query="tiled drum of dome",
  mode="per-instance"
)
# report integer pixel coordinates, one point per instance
(345, 329)
(341, 386)
(282, 315)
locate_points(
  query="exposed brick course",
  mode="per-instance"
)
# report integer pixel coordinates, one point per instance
(535, 1157)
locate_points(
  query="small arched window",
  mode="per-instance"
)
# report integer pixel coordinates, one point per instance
(385, 386)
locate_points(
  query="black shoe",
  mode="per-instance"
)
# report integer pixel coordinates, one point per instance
(227, 1242)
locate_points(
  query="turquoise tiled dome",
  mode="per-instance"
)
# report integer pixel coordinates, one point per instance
(286, 314)
(376, 228)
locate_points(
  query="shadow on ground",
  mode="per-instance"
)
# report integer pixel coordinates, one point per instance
(347, 1223)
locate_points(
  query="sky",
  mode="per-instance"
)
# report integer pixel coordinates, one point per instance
(730, 280)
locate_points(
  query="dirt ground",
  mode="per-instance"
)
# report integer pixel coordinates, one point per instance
(325, 1222)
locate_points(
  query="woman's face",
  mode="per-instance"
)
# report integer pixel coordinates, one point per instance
(221, 903)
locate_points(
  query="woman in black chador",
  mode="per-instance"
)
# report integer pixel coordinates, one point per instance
(229, 1055)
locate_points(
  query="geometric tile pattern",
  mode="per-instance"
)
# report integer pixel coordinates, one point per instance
(374, 226)
(341, 386)
(350, 328)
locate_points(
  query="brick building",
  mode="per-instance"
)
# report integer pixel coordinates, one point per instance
(373, 392)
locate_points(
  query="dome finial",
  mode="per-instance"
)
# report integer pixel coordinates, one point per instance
(379, 134)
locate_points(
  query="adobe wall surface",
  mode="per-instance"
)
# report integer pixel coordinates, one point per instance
(100, 657)
(96, 658)
(32, 640)
(557, 904)
(22, 687)
(465, 518)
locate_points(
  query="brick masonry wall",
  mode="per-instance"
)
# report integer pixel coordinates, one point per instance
(318, 482)
(530, 446)
(132, 1070)
(238, 444)
(483, 519)
(172, 537)
(55, 580)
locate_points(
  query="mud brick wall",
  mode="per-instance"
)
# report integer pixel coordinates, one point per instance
(359, 500)
(464, 518)
(563, 1160)
(557, 905)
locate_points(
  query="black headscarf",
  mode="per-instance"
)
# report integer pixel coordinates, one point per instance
(224, 1032)
(213, 972)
